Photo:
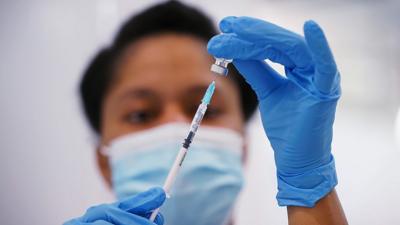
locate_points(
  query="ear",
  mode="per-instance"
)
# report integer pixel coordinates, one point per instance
(104, 166)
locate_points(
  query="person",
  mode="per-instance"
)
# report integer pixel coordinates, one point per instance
(140, 93)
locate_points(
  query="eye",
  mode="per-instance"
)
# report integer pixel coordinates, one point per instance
(212, 113)
(139, 116)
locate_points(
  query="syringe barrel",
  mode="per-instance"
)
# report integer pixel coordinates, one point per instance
(198, 117)
(174, 170)
(173, 173)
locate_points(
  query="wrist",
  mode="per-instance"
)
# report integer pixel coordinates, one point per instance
(305, 189)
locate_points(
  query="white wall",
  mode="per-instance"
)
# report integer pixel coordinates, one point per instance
(47, 164)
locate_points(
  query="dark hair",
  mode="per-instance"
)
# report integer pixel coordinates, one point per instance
(171, 16)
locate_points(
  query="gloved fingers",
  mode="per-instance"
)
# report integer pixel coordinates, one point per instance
(230, 46)
(114, 215)
(326, 76)
(261, 77)
(75, 221)
(159, 220)
(97, 222)
(262, 32)
(144, 202)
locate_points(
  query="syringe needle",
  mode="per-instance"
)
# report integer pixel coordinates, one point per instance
(209, 93)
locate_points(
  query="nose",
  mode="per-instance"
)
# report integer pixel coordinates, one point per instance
(174, 113)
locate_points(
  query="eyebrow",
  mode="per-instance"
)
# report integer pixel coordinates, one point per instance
(148, 93)
(137, 93)
(197, 89)
(198, 92)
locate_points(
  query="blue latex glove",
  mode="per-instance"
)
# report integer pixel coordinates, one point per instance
(298, 110)
(133, 211)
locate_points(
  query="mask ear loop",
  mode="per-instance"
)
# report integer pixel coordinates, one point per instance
(245, 150)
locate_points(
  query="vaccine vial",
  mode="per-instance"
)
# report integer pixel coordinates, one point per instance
(221, 66)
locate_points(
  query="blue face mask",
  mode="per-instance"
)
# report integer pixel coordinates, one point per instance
(208, 183)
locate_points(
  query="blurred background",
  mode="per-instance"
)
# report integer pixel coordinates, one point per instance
(47, 167)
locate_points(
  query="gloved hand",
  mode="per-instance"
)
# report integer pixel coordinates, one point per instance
(298, 110)
(133, 211)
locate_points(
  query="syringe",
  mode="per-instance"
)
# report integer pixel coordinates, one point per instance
(198, 117)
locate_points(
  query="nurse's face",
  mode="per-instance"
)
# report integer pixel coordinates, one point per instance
(161, 79)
